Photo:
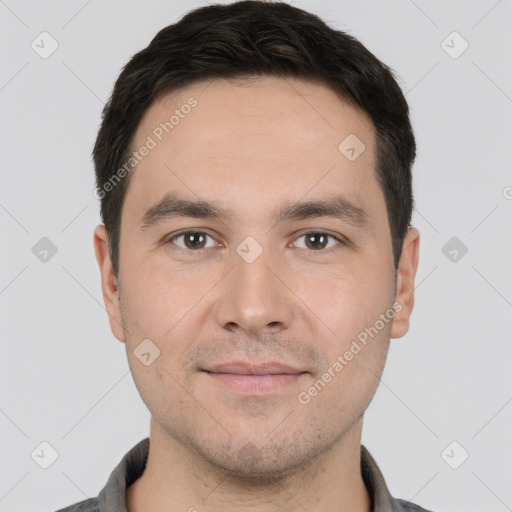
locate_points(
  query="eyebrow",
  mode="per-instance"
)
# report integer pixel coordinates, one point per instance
(336, 206)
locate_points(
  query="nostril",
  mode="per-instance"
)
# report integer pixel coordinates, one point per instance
(231, 326)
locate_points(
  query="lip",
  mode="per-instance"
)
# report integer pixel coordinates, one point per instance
(254, 379)
(246, 368)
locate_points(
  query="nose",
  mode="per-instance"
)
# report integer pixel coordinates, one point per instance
(254, 297)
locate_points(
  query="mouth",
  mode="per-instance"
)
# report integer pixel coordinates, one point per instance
(254, 379)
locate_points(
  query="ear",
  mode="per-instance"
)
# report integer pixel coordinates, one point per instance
(406, 274)
(108, 281)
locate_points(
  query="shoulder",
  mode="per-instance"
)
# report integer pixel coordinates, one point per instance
(407, 506)
(89, 505)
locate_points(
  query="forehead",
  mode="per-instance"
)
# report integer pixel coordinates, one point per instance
(251, 142)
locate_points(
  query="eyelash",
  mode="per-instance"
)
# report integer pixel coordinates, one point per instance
(202, 251)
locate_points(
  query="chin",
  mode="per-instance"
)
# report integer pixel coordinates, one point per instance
(244, 461)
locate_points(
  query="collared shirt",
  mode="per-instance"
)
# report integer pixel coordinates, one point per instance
(112, 497)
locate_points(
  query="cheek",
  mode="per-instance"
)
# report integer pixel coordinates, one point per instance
(164, 310)
(156, 298)
(347, 301)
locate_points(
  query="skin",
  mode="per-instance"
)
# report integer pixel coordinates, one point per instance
(254, 147)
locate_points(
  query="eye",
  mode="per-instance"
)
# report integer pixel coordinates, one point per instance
(317, 240)
(193, 240)
(196, 241)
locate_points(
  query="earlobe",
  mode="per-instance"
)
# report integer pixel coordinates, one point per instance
(406, 274)
(109, 284)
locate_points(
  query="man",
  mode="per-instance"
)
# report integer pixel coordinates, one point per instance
(256, 257)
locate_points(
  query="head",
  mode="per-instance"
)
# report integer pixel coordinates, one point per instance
(284, 149)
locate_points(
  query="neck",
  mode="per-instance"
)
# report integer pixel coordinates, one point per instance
(178, 479)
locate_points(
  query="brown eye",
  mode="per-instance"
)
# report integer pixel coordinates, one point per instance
(192, 240)
(317, 241)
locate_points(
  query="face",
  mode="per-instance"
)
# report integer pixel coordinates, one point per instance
(272, 318)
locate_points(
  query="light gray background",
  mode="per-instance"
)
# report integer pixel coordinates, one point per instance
(65, 378)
